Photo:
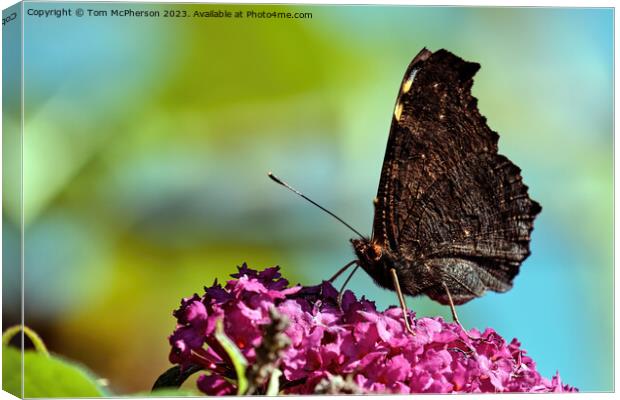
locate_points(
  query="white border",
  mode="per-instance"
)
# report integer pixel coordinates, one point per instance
(461, 3)
(507, 3)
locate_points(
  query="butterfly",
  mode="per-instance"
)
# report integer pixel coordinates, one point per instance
(453, 217)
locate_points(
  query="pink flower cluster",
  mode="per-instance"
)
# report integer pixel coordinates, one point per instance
(351, 340)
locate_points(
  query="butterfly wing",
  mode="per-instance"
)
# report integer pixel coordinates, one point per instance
(475, 223)
(445, 195)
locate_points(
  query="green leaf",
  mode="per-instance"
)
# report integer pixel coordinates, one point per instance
(274, 383)
(47, 376)
(173, 377)
(12, 371)
(237, 358)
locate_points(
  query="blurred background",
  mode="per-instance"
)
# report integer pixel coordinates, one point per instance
(147, 143)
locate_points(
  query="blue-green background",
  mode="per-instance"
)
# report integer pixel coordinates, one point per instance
(147, 143)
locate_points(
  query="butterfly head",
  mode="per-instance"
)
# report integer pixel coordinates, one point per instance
(375, 259)
(369, 253)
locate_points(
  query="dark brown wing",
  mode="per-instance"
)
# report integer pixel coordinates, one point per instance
(480, 213)
(444, 192)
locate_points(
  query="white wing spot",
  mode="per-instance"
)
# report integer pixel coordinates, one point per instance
(407, 84)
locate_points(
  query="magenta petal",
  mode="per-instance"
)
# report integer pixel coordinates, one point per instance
(214, 385)
(353, 339)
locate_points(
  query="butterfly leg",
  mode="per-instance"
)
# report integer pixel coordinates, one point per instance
(340, 271)
(344, 285)
(455, 317)
(401, 299)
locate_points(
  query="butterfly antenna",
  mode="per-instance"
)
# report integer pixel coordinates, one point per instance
(297, 192)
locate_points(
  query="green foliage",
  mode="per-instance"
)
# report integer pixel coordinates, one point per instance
(11, 371)
(44, 375)
(237, 358)
(173, 378)
(274, 383)
(32, 335)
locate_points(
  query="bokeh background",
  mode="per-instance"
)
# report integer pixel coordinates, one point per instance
(147, 142)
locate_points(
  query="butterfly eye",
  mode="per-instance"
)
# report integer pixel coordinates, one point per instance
(376, 251)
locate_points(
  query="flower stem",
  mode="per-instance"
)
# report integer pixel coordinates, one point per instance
(32, 335)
